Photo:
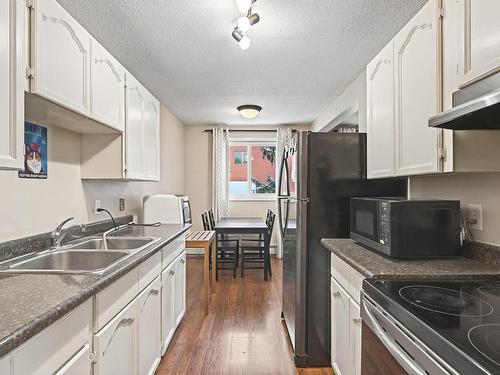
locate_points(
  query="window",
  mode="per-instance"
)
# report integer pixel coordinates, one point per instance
(252, 169)
(240, 157)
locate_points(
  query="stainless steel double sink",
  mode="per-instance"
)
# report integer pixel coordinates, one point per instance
(92, 255)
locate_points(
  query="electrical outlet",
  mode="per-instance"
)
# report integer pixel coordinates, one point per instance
(122, 204)
(97, 205)
(475, 216)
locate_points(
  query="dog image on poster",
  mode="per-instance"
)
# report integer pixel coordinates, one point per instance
(35, 152)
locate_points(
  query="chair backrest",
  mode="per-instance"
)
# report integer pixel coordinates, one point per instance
(211, 218)
(268, 215)
(270, 223)
(204, 219)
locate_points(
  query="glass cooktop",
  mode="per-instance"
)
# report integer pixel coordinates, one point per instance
(459, 320)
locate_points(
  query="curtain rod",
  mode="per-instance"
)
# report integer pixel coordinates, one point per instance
(248, 131)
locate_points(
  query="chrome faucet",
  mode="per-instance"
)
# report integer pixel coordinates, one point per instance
(59, 233)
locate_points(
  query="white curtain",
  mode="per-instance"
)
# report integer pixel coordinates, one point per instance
(284, 141)
(220, 172)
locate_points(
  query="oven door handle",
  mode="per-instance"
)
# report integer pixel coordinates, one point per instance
(403, 359)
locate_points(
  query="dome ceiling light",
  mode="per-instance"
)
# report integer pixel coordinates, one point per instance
(244, 23)
(249, 111)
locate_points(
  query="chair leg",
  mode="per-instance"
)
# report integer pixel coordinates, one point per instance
(269, 263)
(235, 262)
(242, 262)
(216, 266)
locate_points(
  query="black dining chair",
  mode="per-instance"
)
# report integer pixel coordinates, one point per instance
(228, 249)
(256, 252)
(255, 237)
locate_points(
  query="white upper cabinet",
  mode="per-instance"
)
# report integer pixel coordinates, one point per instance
(417, 92)
(134, 129)
(151, 137)
(107, 88)
(380, 113)
(60, 57)
(11, 83)
(479, 30)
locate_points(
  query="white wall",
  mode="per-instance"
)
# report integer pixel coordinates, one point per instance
(30, 207)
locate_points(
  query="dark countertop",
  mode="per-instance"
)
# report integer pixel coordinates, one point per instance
(31, 302)
(371, 264)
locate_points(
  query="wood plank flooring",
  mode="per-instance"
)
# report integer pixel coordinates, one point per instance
(243, 333)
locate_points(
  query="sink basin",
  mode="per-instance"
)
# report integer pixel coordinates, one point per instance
(73, 261)
(113, 243)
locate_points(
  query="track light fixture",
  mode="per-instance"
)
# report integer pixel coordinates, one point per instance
(245, 23)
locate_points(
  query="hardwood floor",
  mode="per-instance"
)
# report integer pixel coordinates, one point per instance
(243, 333)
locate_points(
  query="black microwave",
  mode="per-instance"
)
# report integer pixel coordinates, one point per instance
(406, 228)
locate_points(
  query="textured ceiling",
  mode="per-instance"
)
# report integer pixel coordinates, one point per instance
(303, 53)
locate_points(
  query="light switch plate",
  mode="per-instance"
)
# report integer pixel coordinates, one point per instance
(122, 204)
(475, 216)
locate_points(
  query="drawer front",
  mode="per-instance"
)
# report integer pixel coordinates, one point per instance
(48, 351)
(340, 271)
(356, 285)
(5, 365)
(79, 364)
(114, 298)
(149, 270)
(170, 252)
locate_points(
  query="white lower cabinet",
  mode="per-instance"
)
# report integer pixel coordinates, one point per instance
(149, 328)
(346, 322)
(167, 306)
(355, 328)
(5, 365)
(180, 288)
(115, 344)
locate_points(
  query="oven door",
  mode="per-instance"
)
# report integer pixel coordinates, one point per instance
(364, 221)
(389, 349)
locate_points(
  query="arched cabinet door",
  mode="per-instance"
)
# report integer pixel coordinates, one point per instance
(135, 96)
(152, 138)
(380, 114)
(61, 63)
(107, 88)
(417, 93)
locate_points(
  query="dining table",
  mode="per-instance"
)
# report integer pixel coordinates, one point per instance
(234, 225)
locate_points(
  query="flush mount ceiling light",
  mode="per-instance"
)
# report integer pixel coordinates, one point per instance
(249, 110)
(245, 23)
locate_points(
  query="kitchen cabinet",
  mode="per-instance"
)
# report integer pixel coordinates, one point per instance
(5, 365)
(151, 137)
(107, 88)
(380, 114)
(346, 324)
(417, 92)
(479, 32)
(355, 328)
(115, 344)
(60, 50)
(149, 328)
(12, 29)
(168, 306)
(341, 359)
(49, 351)
(79, 364)
(134, 129)
(180, 288)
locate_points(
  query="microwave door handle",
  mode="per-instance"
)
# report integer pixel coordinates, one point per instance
(398, 354)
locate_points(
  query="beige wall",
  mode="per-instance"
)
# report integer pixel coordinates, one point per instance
(34, 206)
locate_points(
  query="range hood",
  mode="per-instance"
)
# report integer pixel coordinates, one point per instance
(475, 107)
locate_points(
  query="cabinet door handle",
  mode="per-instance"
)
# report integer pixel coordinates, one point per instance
(125, 322)
(183, 261)
(336, 295)
(357, 320)
(172, 272)
(152, 292)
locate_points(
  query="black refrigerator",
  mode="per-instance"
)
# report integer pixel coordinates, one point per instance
(317, 176)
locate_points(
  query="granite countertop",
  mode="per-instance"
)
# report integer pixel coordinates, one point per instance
(31, 302)
(373, 265)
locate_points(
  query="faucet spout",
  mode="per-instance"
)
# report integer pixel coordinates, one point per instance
(58, 234)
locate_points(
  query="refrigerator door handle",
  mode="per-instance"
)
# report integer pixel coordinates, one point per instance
(283, 222)
(284, 168)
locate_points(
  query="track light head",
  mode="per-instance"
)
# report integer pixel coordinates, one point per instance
(243, 41)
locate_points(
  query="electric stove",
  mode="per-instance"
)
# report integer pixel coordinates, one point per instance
(459, 321)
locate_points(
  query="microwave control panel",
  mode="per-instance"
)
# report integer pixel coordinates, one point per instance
(384, 230)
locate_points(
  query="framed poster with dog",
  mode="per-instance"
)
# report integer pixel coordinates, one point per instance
(35, 151)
